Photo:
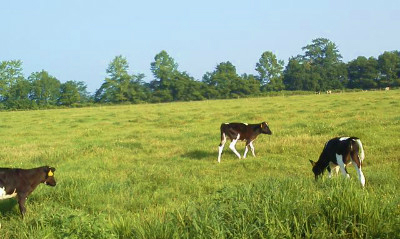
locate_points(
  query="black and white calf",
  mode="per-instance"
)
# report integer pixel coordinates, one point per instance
(337, 153)
(241, 131)
(20, 183)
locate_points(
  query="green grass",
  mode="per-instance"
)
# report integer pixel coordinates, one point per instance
(151, 171)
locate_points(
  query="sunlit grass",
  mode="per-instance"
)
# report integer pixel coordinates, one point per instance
(151, 171)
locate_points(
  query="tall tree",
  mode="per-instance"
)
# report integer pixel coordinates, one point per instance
(251, 85)
(389, 67)
(320, 67)
(163, 66)
(119, 86)
(363, 73)
(138, 90)
(270, 71)
(322, 52)
(69, 93)
(45, 88)
(10, 74)
(224, 82)
(170, 84)
(18, 95)
(164, 69)
(298, 75)
(84, 95)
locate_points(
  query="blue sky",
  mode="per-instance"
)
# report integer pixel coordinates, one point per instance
(77, 39)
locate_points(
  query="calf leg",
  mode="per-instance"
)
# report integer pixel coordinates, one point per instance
(357, 164)
(329, 171)
(339, 159)
(333, 167)
(252, 148)
(246, 149)
(232, 146)
(21, 202)
(221, 146)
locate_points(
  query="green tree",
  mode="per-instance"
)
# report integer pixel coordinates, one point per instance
(363, 73)
(297, 75)
(170, 84)
(322, 52)
(69, 93)
(270, 72)
(119, 86)
(251, 85)
(45, 88)
(319, 68)
(164, 66)
(84, 95)
(10, 74)
(224, 82)
(138, 91)
(18, 95)
(389, 67)
(164, 69)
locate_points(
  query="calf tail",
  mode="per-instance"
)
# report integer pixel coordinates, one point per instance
(361, 153)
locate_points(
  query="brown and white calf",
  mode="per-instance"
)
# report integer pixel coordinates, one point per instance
(339, 152)
(241, 131)
(20, 183)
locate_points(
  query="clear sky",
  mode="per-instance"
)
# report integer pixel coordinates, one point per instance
(77, 39)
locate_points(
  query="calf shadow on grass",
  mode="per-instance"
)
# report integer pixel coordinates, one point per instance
(7, 206)
(199, 154)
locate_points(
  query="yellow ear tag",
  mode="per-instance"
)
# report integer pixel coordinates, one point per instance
(261, 125)
(50, 173)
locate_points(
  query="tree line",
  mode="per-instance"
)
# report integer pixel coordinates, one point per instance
(319, 68)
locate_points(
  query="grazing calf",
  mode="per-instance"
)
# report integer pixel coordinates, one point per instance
(20, 183)
(241, 131)
(338, 152)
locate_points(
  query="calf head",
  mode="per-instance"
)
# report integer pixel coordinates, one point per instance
(316, 170)
(265, 128)
(49, 177)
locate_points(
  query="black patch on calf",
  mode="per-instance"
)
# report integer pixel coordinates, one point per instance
(348, 148)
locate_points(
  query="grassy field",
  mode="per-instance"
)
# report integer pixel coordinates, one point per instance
(151, 171)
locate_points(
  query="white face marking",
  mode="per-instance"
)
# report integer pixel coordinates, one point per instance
(226, 123)
(246, 123)
(343, 138)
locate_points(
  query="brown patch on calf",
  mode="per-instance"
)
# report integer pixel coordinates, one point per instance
(24, 181)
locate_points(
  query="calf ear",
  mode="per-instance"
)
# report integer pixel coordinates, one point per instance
(312, 163)
(50, 171)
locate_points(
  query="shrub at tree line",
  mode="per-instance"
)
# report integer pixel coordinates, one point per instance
(319, 68)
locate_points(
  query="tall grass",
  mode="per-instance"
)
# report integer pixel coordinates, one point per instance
(150, 171)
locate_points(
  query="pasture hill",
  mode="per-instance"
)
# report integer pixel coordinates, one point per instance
(151, 171)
